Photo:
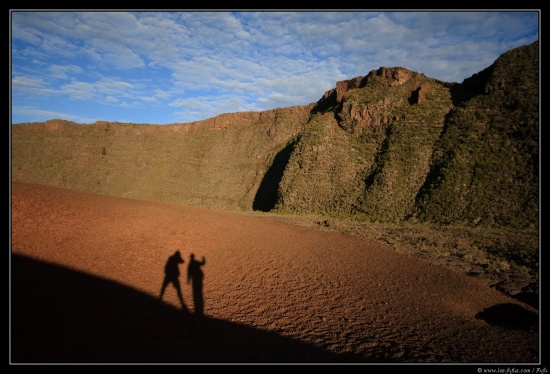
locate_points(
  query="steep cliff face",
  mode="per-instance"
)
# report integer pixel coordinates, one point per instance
(389, 146)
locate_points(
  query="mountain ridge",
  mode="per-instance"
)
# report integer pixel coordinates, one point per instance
(391, 146)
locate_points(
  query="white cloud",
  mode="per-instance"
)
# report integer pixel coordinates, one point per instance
(62, 72)
(162, 94)
(28, 86)
(148, 99)
(204, 63)
(26, 82)
(42, 115)
(79, 90)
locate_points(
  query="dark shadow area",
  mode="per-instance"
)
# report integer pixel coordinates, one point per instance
(529, 294)
(471, 87)
(530, 298)
(434, 174)
(266, 196)
(379, 159)
(58, 315)
(172, 276)
(327, 103)
(509, 315)
(413, 99)
(195, 276)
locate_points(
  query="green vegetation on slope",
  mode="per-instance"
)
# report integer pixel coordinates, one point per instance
(372, 156)
(486, 163)
(215, 164)
(392, 146)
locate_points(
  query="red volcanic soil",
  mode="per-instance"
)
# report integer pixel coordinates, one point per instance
(86, 273)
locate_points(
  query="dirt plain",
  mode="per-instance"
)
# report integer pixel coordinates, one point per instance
(86, 271)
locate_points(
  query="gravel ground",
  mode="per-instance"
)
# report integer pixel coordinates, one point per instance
(86, 272)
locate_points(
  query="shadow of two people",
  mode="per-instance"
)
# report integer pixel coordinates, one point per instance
(195, 276)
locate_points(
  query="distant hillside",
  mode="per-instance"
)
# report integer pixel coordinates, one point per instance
(393, 145)
(219, 162)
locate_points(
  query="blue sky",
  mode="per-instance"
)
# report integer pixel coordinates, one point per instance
(177, 67)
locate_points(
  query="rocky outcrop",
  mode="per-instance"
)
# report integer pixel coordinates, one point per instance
(344, 86)
(393, 76)
(386, 76)
(420, 94)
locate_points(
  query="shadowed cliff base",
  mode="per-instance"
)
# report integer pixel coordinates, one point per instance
(62, 316)
(266, 196)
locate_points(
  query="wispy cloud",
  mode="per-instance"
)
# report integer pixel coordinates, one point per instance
(38, 115)
(167, 67)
